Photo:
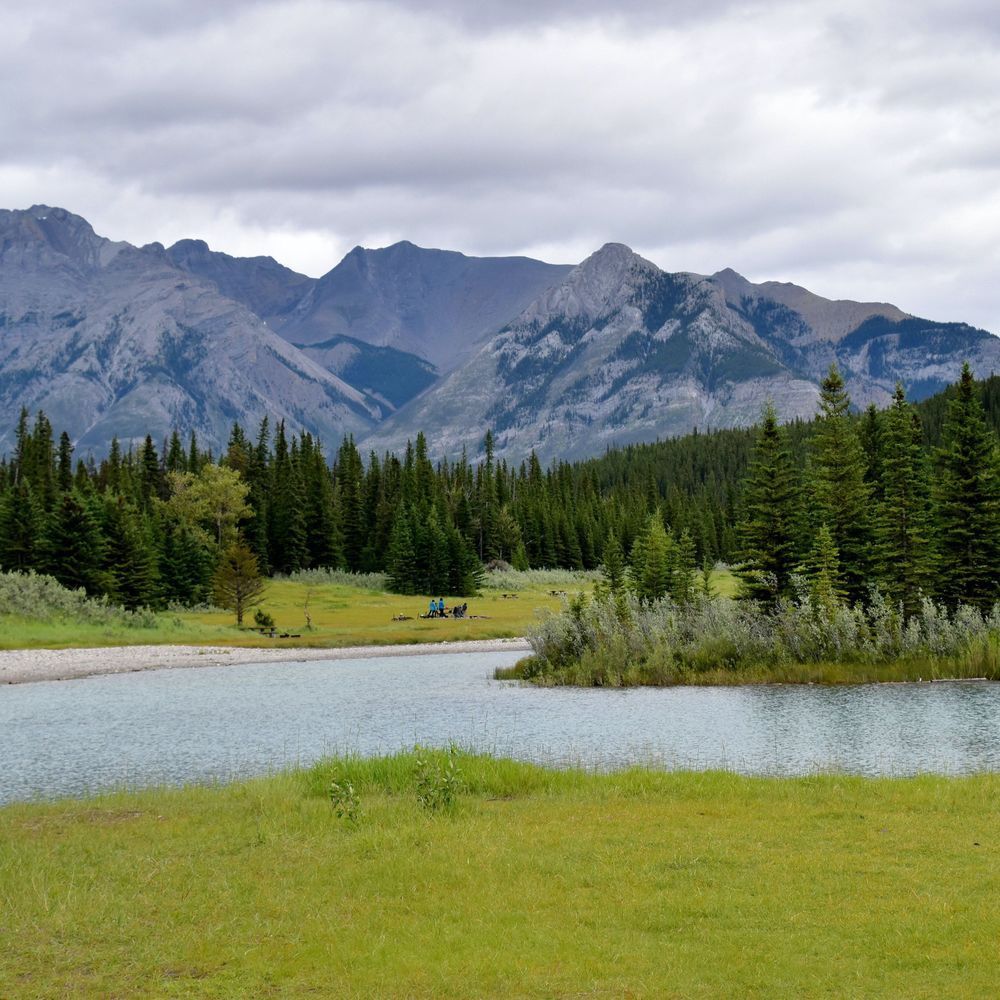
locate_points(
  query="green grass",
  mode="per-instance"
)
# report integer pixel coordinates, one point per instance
(540, 883)
(343, 615)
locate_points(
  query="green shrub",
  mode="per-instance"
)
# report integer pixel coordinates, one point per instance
(262, 619)
(619, 641)
(344, 799)
(438, 779)
(34, 597)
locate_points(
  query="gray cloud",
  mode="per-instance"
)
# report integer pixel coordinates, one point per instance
(850, 146)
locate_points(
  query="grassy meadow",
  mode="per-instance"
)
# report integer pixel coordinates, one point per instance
(350, 613)
(536, 883)
(343, 614)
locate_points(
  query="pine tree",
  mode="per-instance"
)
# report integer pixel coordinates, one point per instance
(682, 577)
(237, 583)
(823, 572)
(651, 560)
(904, 539)
(613, 566)
(840, 497)
(20, 528)
(769, 521)
(130, 558)
(401, 561)
(72, 548)
(968, 501)
(64, 476)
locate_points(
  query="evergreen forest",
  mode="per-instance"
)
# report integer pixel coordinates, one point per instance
(906, 499)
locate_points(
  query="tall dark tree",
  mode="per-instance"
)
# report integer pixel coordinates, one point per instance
(841, 499)
(72, 548)
(904, 532)
(770, 518)
(968, 500)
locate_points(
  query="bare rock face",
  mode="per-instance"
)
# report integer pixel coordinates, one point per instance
(264, 286)
(111, 339)
(621, 351)
(435, 304)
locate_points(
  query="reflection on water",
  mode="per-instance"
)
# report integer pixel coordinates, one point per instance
(210, 723)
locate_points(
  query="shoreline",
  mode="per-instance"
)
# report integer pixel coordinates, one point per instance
(28, 666)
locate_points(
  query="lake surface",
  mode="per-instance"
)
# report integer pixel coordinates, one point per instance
(219, 723)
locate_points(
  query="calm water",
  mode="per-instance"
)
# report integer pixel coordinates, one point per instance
(70, 737)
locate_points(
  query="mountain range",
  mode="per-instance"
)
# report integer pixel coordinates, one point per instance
(112, 340)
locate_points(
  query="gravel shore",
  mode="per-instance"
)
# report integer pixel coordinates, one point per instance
(22, 666)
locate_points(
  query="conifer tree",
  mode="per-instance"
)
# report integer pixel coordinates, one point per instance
(823, 572)
(651, 560)
(769, 521)
(682, 577)
(20, 528)
(237, 583)
(402, 562)
(130, 558)
(613, 566)
(64, 476)
(904, 532)
(72, 548)
(840, 496)
(968, 501)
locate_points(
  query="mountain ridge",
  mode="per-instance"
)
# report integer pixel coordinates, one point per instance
(117, 340)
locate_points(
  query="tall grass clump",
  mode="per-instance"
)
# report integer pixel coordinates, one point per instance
(340, 578)
(508, 579)
(619, 641)
(33, 597)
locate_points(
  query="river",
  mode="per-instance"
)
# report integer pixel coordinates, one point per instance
(219, 723)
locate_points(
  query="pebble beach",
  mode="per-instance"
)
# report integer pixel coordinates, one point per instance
(23, 666)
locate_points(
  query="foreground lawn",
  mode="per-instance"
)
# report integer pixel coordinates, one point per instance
(539, 883)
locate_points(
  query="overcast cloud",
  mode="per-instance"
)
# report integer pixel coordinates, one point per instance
(853, 147)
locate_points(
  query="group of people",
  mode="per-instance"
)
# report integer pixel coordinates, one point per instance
(438, 610)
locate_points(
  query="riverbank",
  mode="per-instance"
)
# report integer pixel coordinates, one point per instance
(23, 666)
(538, 883)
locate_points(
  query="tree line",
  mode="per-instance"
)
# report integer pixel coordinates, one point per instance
(880, 497)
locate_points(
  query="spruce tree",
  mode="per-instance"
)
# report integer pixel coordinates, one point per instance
(613, 566)
(401, 561)
(823, 572)
(968, 502)
(237, 583)
(130, 558)
(20, 528)
(72, 547)
(652, 560)
(682, 577)
(769, 521)
(841, 498)
(904, 537)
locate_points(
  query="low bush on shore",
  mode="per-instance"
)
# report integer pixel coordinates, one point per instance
(620, 641)
(537, 883)
(33, 597)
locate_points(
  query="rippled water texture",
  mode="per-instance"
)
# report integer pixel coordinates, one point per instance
(71, 737)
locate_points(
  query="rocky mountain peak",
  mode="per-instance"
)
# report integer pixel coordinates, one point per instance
(606, 279)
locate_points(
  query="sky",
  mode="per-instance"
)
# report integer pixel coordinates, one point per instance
(852, 147)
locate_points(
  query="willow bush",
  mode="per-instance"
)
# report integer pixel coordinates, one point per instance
(620, 640)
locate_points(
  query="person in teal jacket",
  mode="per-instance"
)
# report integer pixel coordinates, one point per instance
(433, 610)
(441, 607)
